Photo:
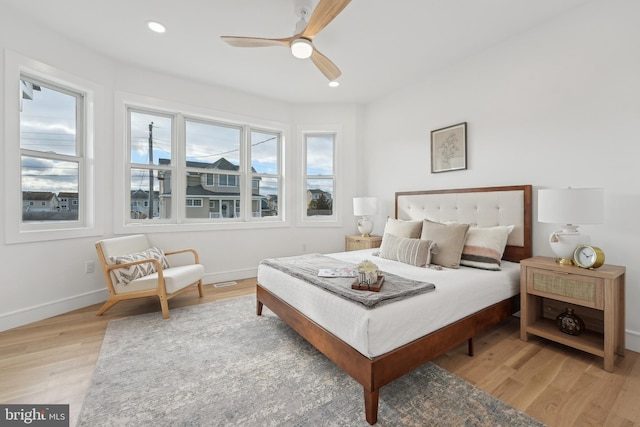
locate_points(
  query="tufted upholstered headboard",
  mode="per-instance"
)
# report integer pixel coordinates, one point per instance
(484, 207)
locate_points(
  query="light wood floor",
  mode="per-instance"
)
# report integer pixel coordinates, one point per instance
(51, 361)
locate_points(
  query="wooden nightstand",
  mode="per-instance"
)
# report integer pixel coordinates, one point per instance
(357, 242)
(597, 297)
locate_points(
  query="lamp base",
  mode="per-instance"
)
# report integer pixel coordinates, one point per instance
(564, 243)
(365, 226)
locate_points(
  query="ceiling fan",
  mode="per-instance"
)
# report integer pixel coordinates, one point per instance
(301, 43)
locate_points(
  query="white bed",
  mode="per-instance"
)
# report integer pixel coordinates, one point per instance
(376, 346)
(373, 332)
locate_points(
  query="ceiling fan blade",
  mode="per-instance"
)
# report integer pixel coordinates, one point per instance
(322, 15)
(256, 41)
(325, 65)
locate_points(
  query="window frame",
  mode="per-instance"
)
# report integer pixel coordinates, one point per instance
(183, 113)
(335, 219)
(89, 221)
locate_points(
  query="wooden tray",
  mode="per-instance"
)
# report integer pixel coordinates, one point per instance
(373, 288)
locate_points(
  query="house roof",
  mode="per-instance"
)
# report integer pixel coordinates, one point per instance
(67, 195)
(37, 195)
(199, 190)
(221, 164)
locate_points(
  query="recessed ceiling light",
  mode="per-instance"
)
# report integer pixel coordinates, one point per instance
(156, 26)
(334, 83)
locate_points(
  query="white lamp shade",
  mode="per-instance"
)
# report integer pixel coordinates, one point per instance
(571, 206)
(363, 206)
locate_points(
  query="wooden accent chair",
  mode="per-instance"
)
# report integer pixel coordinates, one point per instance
(133, 269)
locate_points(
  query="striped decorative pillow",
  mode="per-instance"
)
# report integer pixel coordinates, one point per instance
(484, 246)
(125, 275)
(409, 251)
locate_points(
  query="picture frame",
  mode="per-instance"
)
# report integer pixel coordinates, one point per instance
(449, 148)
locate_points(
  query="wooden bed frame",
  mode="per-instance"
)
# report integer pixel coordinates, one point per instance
(374, 373)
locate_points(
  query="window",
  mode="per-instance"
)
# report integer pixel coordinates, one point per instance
(213, 151)
(49, 124)
(319, 175)
(150, 156)
(51, 149)
(265, 173)
(197, 170)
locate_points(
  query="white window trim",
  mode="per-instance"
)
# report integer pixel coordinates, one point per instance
(334, 220)
(123, 100)
(280, 175)
(15, 230)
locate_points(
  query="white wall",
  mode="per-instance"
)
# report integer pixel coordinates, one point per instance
(40, 280)
(555, 107)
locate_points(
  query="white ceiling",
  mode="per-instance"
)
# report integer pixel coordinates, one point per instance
(379, 45)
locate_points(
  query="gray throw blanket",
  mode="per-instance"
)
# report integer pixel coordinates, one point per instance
(306, 267)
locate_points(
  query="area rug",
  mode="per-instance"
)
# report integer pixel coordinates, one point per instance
(218, 364)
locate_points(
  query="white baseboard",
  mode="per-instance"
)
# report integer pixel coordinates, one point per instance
(226, 276)
(44, 311)
(632, 341)
(35, 313)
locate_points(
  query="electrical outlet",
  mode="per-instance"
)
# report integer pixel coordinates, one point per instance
(89, 267)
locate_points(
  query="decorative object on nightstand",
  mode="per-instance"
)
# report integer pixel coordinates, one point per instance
(587, 256)
(364, 207)
(570, 207)
(549, 289)
(569, 322)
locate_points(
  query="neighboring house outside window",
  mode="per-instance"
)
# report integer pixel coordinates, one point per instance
(209, 179)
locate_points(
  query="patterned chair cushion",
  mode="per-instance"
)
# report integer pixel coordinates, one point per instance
(125, 275)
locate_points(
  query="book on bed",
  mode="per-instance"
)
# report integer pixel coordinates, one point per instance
(337, 272)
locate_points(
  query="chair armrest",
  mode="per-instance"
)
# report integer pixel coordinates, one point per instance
(141, 261)
(180, 251)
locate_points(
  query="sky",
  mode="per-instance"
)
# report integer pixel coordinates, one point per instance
(47, 124)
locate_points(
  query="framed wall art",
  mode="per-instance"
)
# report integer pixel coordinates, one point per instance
(449, 148)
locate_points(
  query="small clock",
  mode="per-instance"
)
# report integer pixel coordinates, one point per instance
(587, 256)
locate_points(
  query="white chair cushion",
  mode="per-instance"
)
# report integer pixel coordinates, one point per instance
(175, 278)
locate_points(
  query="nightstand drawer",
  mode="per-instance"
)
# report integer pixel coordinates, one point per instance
(357, 242)
(574, 288)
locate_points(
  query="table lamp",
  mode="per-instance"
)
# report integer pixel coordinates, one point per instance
(363, 207)
(570, 207)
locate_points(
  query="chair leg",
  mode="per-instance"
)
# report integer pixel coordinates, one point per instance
(106, 306)
(165, 306)
(200, 289)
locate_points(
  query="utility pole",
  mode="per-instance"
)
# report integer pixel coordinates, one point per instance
(150, 214)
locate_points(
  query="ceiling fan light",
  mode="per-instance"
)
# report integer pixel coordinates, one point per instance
(334, 83)
(301, 48)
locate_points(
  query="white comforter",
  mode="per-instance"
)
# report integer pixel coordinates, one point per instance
(373, 332)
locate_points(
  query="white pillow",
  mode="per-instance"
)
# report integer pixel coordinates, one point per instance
(484, 246)
(409, 251)
(400, 228)
(450, 240)
(125, 275)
